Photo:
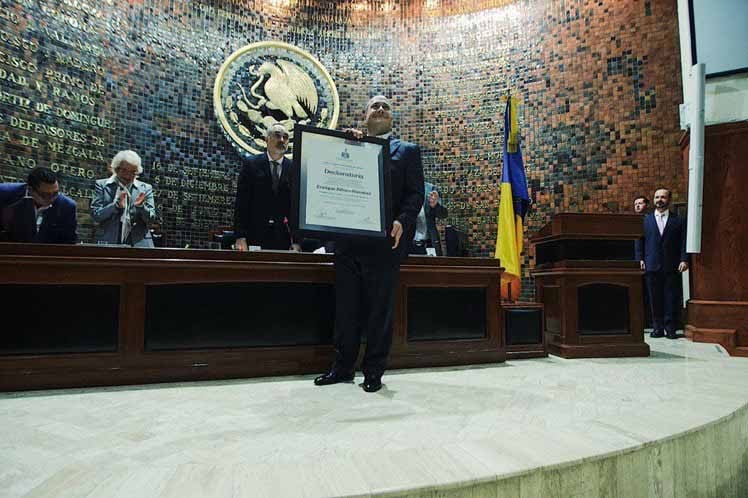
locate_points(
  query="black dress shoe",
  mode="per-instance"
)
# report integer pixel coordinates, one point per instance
(372, 384)
(657, 333)
(332, 377)
(671, 335)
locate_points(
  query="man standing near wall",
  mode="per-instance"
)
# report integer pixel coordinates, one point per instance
(263, 197)
(662, 255)
(427, 234)
(366, 272)
(641, 205)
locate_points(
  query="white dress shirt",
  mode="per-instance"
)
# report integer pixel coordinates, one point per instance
(38, 211)
(661, 219)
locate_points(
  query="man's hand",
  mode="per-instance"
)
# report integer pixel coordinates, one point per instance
(121, 200)
(397, 232)
(241, 244)
(683, 266)
(642, 265)
(140, 199)
(355, 132)
(433, 199)
(295, 248)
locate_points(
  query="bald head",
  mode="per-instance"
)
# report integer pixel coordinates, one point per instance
(377, 98)
(378, 116)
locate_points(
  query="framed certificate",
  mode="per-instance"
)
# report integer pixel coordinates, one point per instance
(340, 186)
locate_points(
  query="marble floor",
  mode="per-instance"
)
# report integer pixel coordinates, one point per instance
(427, 429)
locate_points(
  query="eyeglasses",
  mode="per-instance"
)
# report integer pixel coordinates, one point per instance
(380, 105)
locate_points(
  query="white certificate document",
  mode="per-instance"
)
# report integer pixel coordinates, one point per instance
(340, 184)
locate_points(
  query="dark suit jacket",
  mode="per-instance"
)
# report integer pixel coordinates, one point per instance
(406, 179)
(256, 203)
(663, 252)
(18, 222)
(439, 211)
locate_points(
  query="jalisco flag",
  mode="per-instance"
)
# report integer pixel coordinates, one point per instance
(514, 203)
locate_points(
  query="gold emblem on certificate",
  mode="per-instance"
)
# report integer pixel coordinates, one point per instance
(272, 82)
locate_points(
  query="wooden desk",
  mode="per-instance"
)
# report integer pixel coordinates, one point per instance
(106, 315)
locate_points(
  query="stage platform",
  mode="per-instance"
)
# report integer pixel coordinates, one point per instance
(670, 425)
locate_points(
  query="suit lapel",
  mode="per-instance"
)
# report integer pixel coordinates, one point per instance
(285, 166)
(28, 212)
(112, 189)
(653, 225)
(135, 191)
(669, 221)
(265, 166)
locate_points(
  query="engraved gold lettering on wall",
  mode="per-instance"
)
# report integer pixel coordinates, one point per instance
(11, 77)
(43, 129)
(105, 75)
(64, 39)
(13, 40)
(14, 100)
(76, 171)
(77, 117)
(75, 62)
(71, 20)
(17, 63)
(76, 152)
(53, 74)
(73, 96)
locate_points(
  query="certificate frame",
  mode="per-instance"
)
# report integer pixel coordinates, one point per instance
(306, 176)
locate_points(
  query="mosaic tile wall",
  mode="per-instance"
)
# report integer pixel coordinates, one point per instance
(599, 81)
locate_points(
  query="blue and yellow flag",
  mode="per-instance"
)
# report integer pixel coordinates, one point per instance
(514, 202)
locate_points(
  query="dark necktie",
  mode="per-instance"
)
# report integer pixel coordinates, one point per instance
(275, 170)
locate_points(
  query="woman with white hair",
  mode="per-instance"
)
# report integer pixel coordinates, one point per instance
(123, 206)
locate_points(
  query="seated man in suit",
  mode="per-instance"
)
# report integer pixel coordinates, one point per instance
(366, 272)
(427, 234)
(123, 206)
(662, 254)
(263, 197)
(35, 211)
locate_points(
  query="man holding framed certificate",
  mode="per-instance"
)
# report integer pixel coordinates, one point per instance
(365, 194)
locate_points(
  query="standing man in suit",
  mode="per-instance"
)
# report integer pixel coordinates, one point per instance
(36, 211)
(366, 273)
(263, 197)
(123, 206)
(426, 233)
(641, 205)
(662, 254)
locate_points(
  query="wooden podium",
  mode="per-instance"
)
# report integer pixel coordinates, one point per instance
(591, 287)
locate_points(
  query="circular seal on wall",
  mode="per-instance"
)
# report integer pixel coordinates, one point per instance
(272, 82)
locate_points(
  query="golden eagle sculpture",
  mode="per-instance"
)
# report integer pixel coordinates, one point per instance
(271, 82)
